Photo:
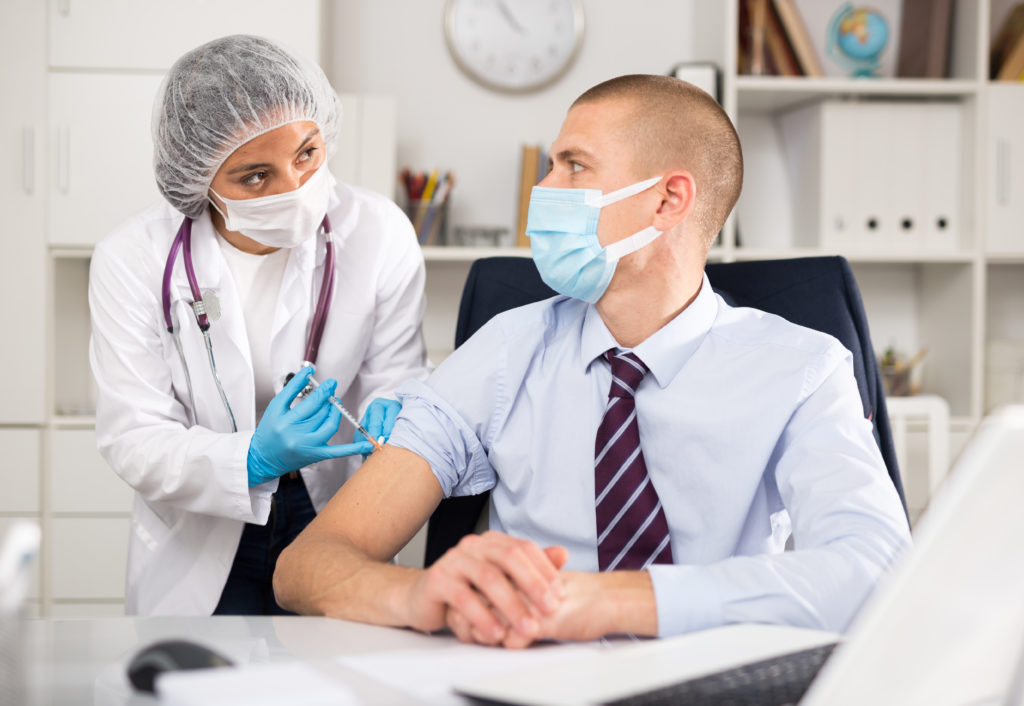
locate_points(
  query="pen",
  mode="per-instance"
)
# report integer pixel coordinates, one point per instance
(348, 415)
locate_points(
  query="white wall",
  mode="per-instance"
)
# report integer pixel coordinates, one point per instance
(446, 120)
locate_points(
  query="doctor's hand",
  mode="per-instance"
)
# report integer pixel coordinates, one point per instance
(379, 419)
(289, 438)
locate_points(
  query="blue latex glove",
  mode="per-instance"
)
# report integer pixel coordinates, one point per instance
(289, 438)
(379, 419)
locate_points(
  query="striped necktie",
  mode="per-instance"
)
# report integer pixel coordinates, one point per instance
(631, 528)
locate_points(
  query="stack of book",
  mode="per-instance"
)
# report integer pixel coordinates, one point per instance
(774, 40)
(1006, 60)
(925, 38)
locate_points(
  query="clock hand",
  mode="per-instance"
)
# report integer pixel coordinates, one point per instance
(510, 18)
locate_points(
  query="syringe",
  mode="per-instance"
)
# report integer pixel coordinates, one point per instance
(348, 415)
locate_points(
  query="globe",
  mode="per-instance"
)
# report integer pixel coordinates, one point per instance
(856, 38)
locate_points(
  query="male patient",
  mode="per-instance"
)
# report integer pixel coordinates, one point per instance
(650, 449)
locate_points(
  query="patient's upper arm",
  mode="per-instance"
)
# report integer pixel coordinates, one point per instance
(383, 505)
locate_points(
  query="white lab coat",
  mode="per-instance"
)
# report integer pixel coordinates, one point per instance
(191, 486)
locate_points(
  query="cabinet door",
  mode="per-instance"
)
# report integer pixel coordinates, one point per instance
(1005, 231)
(20, 471)
(151, 34)
(23, 265)
(80, 479)
(101, 153)
(87, 557)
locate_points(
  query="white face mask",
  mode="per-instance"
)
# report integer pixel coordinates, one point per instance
(281, 220)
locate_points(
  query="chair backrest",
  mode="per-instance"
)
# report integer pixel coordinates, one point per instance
(817, 292)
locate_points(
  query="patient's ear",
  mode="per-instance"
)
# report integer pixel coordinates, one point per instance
(678, 198)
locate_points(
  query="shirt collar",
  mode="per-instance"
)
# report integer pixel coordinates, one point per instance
(668, 349)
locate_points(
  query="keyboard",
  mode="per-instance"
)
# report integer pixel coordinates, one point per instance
(778, 681)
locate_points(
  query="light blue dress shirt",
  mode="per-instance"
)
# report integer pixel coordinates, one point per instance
(751, 428)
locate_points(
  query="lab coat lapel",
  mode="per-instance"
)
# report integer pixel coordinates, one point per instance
(228, 333)
(294, 310)
(300, 289)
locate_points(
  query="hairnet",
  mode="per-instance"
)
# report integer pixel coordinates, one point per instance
(223, 94)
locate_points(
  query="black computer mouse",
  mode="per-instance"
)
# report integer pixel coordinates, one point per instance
(168, 655)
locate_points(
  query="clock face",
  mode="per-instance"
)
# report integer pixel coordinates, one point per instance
(514, 45)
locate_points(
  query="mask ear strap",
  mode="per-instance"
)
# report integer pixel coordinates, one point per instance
(617, 251)
(620, 194)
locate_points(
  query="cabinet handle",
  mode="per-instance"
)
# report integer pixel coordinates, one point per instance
(28, 159)
(64, 7)
(1002, 172)
(64, 159)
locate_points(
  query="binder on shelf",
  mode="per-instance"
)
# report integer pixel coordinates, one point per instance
(799, 39)
(925, 35)
(879, 176)
(529, 170)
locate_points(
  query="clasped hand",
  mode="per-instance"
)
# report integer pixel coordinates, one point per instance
(493, 589)
(293, 435)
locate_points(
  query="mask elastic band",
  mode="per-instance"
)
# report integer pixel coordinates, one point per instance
(617, 251)
(625, 192)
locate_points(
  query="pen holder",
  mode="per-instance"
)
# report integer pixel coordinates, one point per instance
(429, 219)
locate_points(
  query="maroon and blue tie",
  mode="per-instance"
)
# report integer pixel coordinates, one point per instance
(632, 532)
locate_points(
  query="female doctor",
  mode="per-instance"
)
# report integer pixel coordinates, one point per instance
(209, 311)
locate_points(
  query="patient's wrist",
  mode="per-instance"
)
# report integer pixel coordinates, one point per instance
(627, 599)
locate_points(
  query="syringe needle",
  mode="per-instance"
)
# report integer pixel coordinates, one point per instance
(348, 415)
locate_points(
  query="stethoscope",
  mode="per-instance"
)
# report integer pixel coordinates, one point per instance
(207, 311)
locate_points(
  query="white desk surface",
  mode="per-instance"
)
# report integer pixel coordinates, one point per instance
(83, 662)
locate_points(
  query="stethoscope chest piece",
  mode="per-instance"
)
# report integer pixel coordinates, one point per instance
(212, 304)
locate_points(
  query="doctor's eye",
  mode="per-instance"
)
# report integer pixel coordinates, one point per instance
(576, 167)
(254, 179)
(307, 154)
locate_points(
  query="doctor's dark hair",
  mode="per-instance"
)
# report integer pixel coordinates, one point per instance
(675, 125)
(222, 94)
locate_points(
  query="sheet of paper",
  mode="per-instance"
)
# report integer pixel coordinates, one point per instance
(430, 673)
(259, 684)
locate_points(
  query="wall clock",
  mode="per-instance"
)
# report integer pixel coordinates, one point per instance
(513, 45)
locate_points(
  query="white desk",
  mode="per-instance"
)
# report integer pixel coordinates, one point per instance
(81, 662)
(84, 661)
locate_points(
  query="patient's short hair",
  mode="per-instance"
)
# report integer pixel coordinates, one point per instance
(675, 125)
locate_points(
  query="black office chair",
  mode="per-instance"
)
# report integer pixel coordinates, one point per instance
(816, 292)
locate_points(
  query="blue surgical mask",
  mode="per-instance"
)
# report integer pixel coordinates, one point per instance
(562, 226)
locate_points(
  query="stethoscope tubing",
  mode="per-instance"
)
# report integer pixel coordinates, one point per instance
(183, 243)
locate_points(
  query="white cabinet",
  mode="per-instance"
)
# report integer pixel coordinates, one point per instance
(22, 185)
(81, 482)
(1005, 174)
(101, 153)
(151, 34)
(20, 471)
(86, 558)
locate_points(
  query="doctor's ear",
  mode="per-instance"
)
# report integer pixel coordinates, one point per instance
(678, 191)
